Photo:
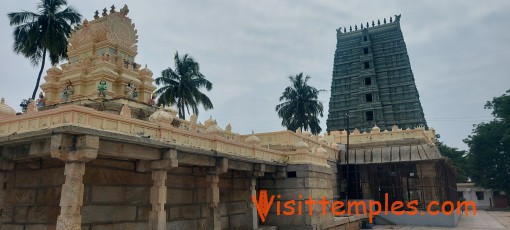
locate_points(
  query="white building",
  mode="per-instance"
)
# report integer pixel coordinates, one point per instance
(483, 198)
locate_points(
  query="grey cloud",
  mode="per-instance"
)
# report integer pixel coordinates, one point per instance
(458, 50)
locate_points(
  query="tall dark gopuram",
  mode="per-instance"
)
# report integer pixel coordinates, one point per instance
(373, 80)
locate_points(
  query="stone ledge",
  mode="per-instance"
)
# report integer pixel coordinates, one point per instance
(309, 167)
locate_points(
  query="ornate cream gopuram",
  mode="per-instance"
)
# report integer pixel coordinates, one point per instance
(102, 49)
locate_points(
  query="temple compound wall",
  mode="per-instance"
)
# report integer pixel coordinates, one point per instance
(116, 196)
(72, 167)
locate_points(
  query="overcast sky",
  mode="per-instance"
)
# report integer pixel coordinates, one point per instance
(459, 52)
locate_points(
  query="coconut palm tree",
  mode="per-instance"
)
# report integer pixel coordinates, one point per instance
(44, 32)
(300, 107)
(181, 86)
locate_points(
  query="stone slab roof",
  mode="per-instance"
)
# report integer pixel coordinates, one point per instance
(391, 154)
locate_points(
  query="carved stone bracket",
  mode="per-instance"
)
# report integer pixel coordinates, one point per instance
(221, 166)
(281, 172)
(68, 147)
(258, 170)
(168, 161)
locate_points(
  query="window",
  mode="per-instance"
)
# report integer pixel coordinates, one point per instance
(479, 195)
(368, 97)
(369, 115)
(365, 50)
(291, 174)
(368, 81)
(367, 65)
(365, 38)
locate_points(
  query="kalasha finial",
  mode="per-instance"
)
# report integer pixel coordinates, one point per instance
(361, 26)
(345, 30)
(356, 27)
(391, 19)
(112, 10)
(350, 28)
(367, 24)
(96, 14)
(384, 21)
(105, 12)
(378, 22)
(373, 23)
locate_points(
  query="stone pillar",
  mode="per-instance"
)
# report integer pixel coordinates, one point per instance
(157, 216)
(4, 167)
(75, 151)
(427, 173)
(258, 171)
(213, 200)
(365, 183)
(213, 193)
(254, 214)
(71, 197)
(3, 179)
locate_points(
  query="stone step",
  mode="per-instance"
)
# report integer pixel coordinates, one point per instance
(265, 227)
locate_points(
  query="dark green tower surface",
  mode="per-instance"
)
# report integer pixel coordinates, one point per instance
(373, 80)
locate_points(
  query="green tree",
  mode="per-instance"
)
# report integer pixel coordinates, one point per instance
(489, 147)
(181, 87)
(459, 160)
(300, 107)
(44, 32)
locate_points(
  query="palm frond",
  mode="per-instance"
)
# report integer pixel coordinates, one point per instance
(300, 106)
(181, 86)
(18, 18)
(46, 31)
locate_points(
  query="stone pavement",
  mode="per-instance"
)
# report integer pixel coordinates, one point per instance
(487, 220)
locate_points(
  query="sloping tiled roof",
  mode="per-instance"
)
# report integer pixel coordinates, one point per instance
(387, 154)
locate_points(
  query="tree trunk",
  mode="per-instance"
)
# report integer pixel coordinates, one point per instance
(40, 73)
(183, 111)
(180, 104)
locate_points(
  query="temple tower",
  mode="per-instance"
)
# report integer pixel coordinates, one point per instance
(373, 80)
(101, 50)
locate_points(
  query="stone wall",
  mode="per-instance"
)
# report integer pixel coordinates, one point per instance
(32, 194)
(304, 180)
(235, 200)
(334, 179)
(116, 196)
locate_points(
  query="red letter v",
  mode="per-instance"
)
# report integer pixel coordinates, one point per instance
(263, 204)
